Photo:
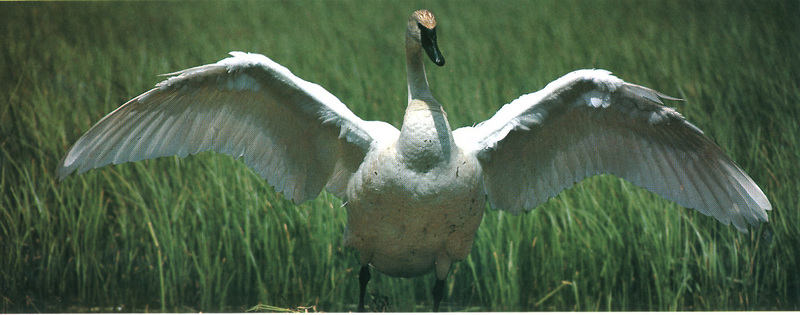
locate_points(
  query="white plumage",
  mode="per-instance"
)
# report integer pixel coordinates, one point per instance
(416, 196)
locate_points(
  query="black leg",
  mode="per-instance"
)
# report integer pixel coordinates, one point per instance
(438, 294)
(363, 278)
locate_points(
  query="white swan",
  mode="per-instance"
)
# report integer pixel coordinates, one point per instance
(416, 196)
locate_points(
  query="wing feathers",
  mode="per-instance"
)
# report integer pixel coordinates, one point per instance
(292, 132)
(589, 122)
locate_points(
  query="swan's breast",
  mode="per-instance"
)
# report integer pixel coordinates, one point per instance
(404, 222)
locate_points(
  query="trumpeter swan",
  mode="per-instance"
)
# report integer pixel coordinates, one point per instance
(416, 196)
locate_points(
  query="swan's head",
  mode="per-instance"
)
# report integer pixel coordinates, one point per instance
(422, 31)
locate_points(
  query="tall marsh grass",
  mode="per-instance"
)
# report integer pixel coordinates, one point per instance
(205, 233)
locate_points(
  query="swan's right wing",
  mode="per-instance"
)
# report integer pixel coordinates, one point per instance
(590, 122)
(295, 134)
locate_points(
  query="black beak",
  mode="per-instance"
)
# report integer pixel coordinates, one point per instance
(428, 39)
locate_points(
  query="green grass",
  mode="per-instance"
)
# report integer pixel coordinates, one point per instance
(205, 233)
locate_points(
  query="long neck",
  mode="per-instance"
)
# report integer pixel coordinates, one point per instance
(415, 69)
(426, 140)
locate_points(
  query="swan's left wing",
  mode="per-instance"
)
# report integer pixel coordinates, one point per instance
(590, 122)
(294, 133)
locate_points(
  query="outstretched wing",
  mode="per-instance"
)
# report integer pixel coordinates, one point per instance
(294, 133)
(590, 122)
